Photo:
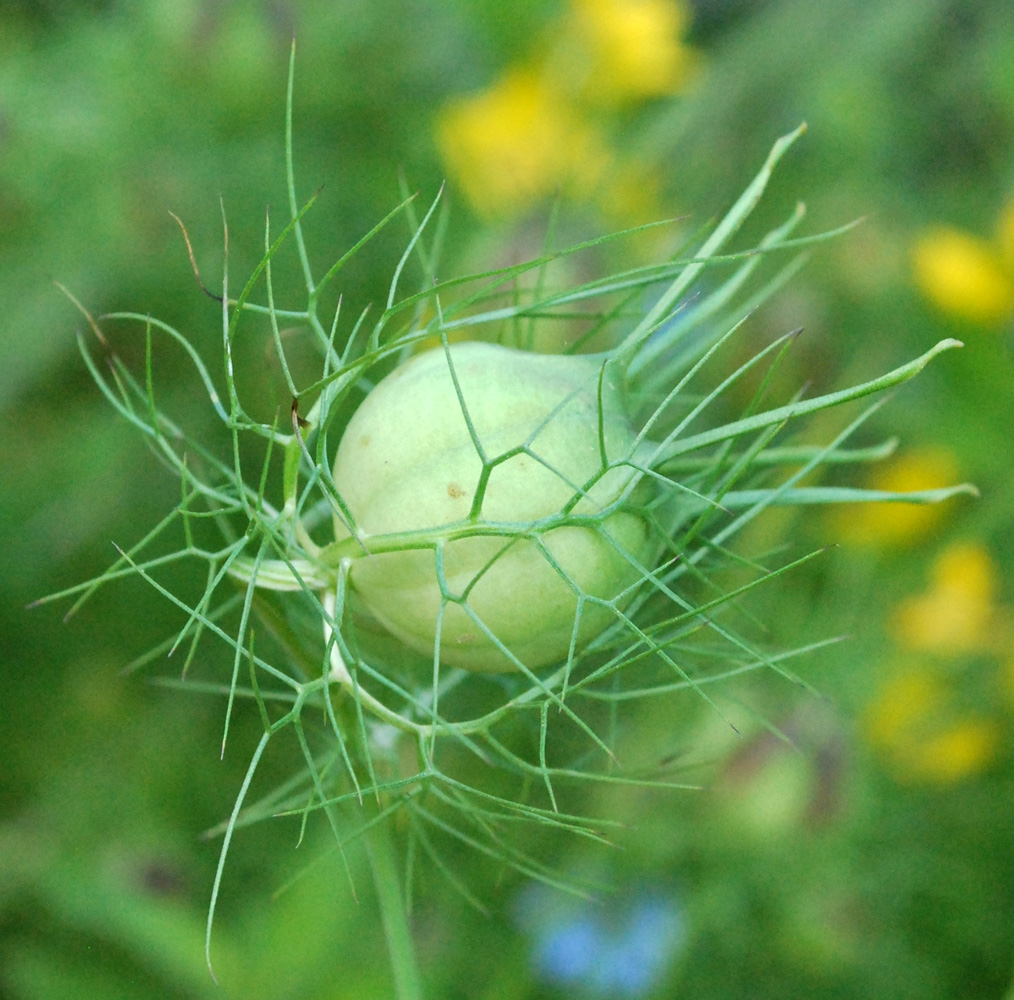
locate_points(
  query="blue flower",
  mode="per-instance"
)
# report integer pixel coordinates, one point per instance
(620, 948)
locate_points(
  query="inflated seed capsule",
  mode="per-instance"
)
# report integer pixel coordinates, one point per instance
(476, 502)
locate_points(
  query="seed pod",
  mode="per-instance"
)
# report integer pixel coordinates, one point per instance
(504, 519)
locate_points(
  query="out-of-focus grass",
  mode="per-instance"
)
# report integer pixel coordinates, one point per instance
(828, 872)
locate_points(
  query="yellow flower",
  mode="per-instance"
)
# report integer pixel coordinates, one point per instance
(908, 722)
(540, 129)
(965, 276)
(631, 49)
(517, 143)
(915, 720)
(956, 613)
(897, 524)
(960, 750)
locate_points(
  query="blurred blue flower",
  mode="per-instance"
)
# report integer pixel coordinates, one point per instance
(621, 947)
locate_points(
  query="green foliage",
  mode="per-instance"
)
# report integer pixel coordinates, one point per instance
(351, 701)
(812, 872)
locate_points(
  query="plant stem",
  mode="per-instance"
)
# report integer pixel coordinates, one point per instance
(392, 912)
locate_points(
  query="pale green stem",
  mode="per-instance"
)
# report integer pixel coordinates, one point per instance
(407, 983)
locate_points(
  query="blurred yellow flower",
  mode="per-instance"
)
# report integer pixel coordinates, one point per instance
(909, 723)
(540, 130)
(897, 524)
(915, 720)
(956, 613)
(965, 276)
(632, 49)
(958, 751)
(518, 142)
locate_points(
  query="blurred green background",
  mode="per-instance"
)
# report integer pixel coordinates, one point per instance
(874, 858)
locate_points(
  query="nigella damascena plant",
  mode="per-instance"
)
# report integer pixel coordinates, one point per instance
(521, 534)
(457, 561)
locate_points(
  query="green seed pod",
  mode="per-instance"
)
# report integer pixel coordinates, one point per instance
(511, 506)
